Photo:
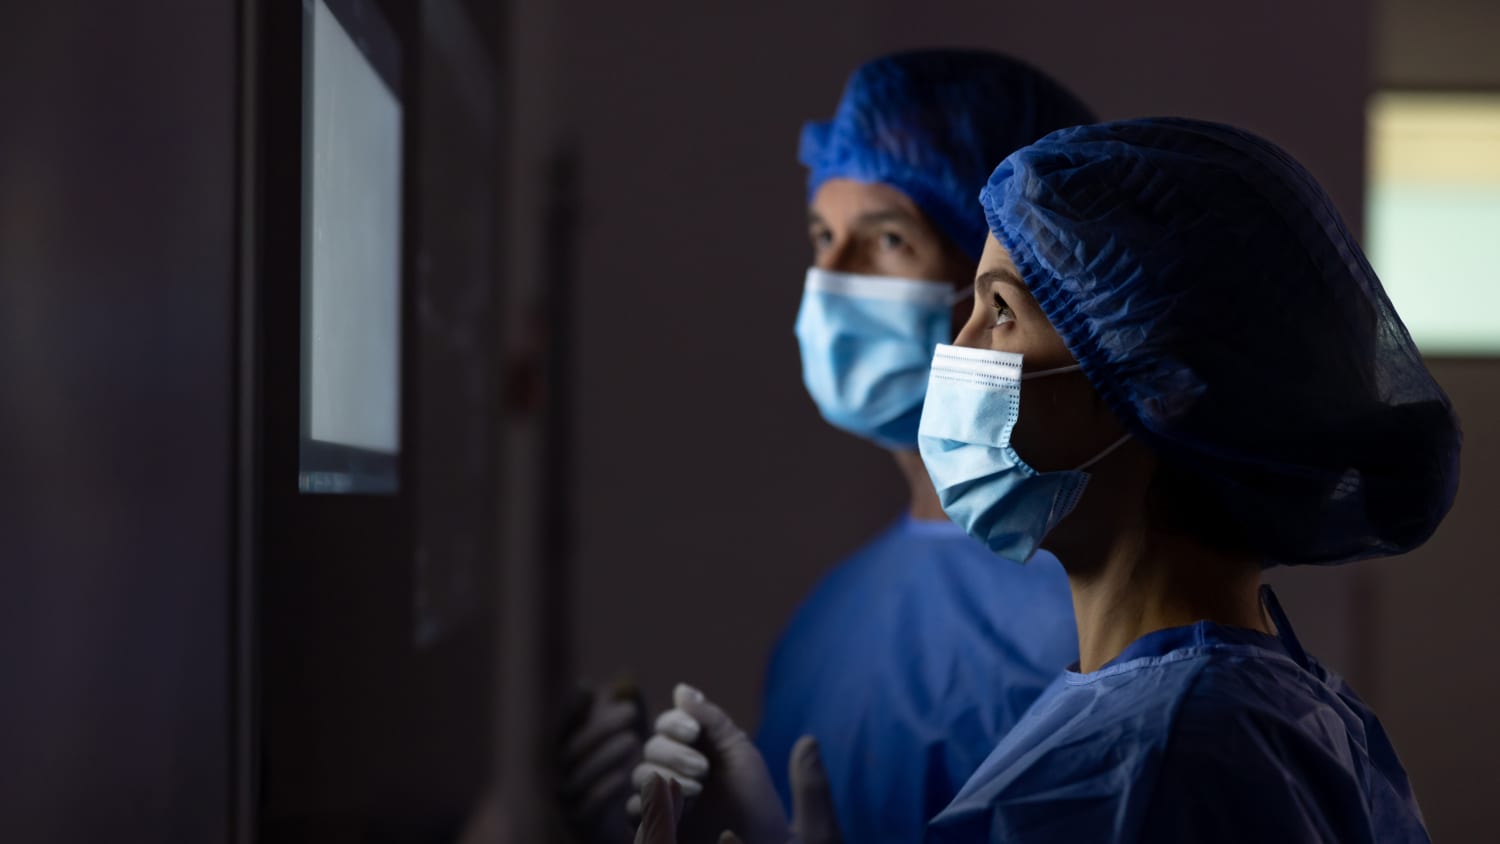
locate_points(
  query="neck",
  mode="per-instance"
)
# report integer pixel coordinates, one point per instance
(1148, 581)
(925, 505)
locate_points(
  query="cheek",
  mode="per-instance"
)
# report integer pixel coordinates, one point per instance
(1044, 347)
(1062, 423)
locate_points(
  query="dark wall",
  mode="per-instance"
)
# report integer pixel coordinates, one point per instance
(116, 260)
(1437, 43)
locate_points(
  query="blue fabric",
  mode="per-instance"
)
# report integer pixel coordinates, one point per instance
(932, 124)
(1193, 734)
(908, 662)
(1218, 303)
(974, 400)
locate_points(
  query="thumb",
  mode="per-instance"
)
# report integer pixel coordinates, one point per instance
(813, 818)
(718, 727)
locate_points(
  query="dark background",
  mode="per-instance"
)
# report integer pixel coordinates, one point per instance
(668, 521)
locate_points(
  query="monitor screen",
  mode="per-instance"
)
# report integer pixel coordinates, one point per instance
(351, 262)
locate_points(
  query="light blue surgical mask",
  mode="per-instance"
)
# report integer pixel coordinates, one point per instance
(866, 345)
(973, 401)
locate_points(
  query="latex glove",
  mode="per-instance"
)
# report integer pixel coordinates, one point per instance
(812, 801)
(661, 808)
(720, 772)
(599, 747)
(813, 819)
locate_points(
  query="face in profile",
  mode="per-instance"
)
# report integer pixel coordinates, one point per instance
(1063, 423)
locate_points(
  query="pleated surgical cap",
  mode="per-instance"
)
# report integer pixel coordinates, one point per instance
(1216, 300)
(932, 124)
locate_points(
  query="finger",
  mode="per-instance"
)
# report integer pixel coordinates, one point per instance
(605, 793)
(620, 751)
(813, 818)
(626, 689)
(683, 693)
(575, 710)
(727, 837)
(661, 806)
(606, 720)
(633, 806)
(715, 722)
(644, 771)
(677, 756)
(678, 725)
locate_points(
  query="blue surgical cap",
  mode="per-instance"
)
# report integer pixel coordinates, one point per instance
(932, 124)
(1218, 303)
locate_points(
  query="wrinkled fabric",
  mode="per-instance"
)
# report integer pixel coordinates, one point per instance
(983, 484)
(1193, 734)
(866, 342)
(908, 662)
(1218, 303)
(932, 124)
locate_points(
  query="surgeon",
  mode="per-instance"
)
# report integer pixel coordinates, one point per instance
(1180, 369)
(916, 654)
(912, 657)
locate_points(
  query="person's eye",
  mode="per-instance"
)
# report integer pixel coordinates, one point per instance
(892, 240)
(1003, 312)
(821, 238)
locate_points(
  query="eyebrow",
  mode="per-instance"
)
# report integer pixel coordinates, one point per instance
(1004, 274)
(888, 216)
(870, 218)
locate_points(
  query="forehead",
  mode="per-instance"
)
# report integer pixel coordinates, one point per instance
(839, 200)
(996, 258)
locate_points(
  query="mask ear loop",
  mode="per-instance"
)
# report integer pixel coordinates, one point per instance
(1110, 449)
(1027, 376)
(959, 295)
(1105, 453)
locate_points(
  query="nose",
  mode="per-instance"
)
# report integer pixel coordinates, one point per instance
(843, 256)
(970, 335)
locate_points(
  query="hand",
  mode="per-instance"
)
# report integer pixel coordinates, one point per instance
(721, 773)
(813, 819)
(661, 808)
(598, 750)
(674, 758)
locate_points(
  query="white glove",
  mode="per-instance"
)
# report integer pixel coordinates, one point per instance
(813, 820)
(812, 803)
(661, 808)
(694, 738)
(730, 779)
(598, 751)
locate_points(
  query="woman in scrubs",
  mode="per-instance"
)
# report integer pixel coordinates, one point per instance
(1180, 370)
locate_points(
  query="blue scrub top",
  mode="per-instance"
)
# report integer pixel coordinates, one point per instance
(1197, 733)
(908, 663)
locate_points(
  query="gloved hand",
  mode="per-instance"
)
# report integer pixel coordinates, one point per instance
(726, 781)
(661, 809)
(599, 747)
(813, 819)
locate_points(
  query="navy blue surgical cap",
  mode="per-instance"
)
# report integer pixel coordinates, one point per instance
(1216, 300)
(932, 124)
